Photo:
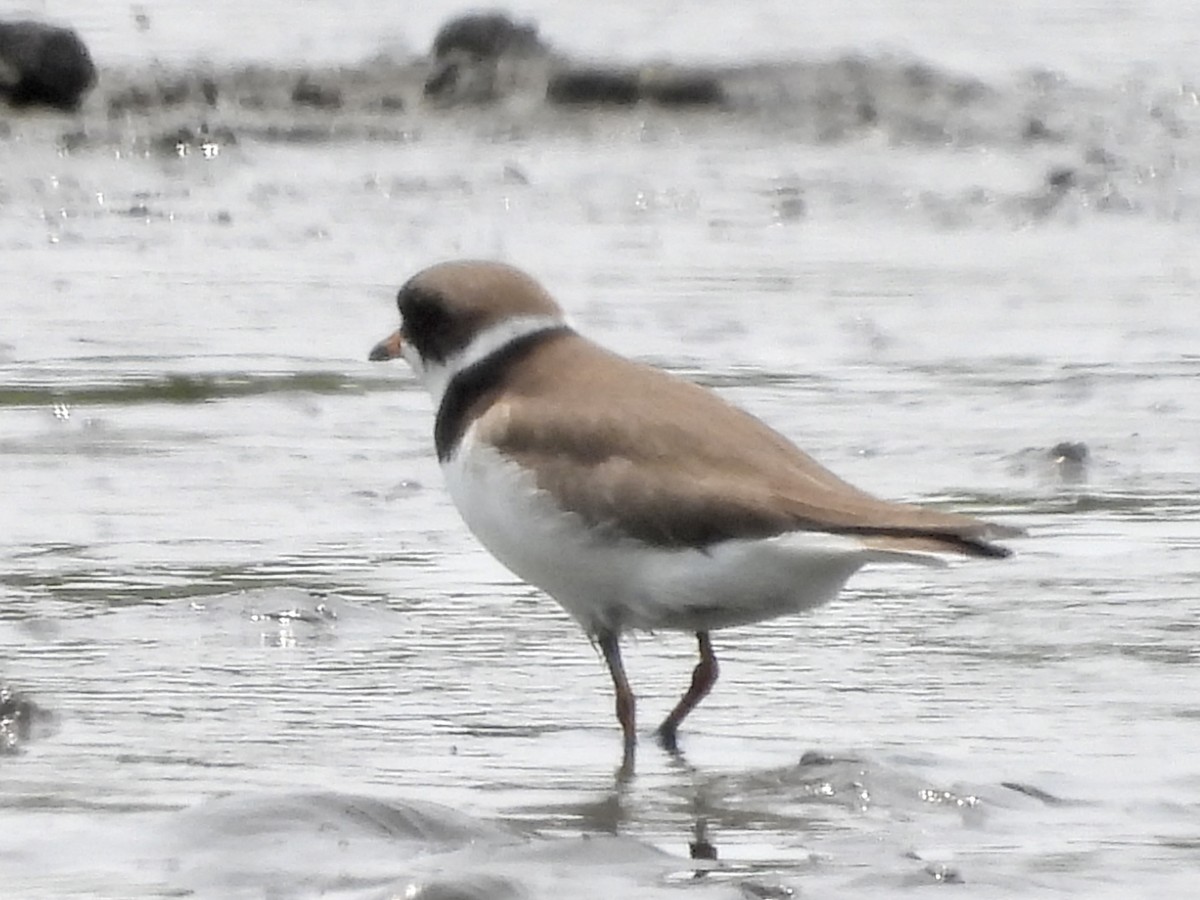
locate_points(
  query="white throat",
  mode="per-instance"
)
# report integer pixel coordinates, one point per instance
(436, 376)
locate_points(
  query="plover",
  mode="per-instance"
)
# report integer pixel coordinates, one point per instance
(638, 500)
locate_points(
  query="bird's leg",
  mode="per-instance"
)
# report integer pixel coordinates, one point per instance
(626, 702)
(704, 676)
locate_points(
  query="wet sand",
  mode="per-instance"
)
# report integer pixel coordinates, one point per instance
(267, 659)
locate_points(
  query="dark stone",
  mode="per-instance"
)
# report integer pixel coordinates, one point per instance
(485, 35)
(476, 58)
(684, 89)
(624, 87)
(815, 758)
(944, 874)
(614, 87)
(1069, 452)
(462, 80)
(19, 717)
(443, 79)
(44, 65)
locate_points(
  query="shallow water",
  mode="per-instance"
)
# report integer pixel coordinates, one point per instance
(270, 662)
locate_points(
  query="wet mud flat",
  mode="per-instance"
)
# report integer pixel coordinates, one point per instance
(248, 648)
(1121, 147)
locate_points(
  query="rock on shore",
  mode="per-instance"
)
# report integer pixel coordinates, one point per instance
(43, 65)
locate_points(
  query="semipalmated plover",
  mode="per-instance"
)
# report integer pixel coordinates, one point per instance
(636, 499)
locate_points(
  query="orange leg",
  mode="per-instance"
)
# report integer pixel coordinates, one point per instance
(704, 676)
(626, 702)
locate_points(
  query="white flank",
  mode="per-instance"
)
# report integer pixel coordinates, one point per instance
(608, 584)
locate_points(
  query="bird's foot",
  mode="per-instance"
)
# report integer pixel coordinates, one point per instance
(667, 737)
(625, 772)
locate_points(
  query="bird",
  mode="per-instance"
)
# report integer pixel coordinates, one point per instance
(636, 499)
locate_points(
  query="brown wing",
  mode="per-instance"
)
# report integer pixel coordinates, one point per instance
(633, 449)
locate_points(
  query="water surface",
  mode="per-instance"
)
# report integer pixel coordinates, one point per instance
(270, 661)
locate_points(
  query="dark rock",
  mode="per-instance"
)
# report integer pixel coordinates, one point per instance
(815, 758)
(613, 87)
(1065, 463)
(308, 93)
(944, 874)
(485, 35)
(463, 80)
(623, 87)
(481, 57)
(684, 89)
(20, 719)
(1069, 451)
(443, 80)
(43, 65)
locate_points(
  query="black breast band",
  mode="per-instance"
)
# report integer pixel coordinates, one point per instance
(476, 380)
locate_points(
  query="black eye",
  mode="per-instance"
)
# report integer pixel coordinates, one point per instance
(426, 323)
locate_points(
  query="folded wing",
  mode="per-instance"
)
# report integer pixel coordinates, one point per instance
(657, 459)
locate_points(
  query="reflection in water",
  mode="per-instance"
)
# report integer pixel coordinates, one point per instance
(847, 803)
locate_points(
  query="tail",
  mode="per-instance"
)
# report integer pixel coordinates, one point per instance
(925, 542)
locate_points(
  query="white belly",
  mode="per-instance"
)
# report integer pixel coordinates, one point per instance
(619, 585)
